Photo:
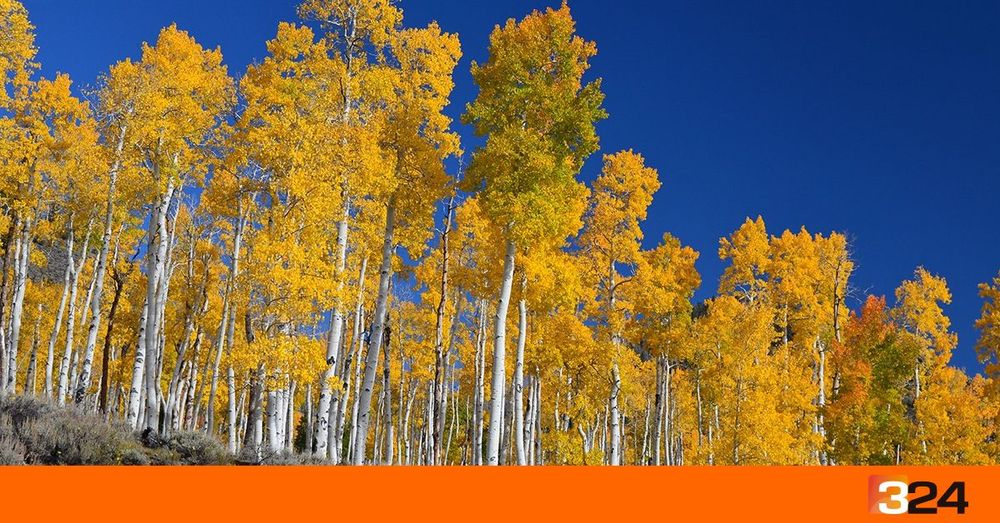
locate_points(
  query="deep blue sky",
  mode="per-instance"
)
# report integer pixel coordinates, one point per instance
(878, 119)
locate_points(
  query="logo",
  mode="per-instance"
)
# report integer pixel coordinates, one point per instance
(894, 495)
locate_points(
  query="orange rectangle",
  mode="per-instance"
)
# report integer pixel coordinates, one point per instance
(814, 494)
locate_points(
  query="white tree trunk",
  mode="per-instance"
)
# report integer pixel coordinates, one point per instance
(17, 309)
(289, 418)
(57, 324)
(522, 326)
(64, 365)
(480, 393)
(359, 358)
(616, 435)
(334, 339)
(102, 262)
(155, 274)
(231, 427)
(224, 340)
(375, 341)
(133, 412)
(273, 421)
(499, 359)
(335, 443)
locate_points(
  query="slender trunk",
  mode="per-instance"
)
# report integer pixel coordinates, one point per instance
(289, 417)
(133, 412)
(231, 426)
(106, 356)
(220, 346)
(99, 271)
(333, 341)
(335, 446)
(227, 322)
(359, 359)
(57, 325)
(821, 399)
(658, 410)
(17, 307)
(697, 391)
(406, 425)
(10, 249)
(437, 410)
(30, 375)
(64, 365)
(499, 358)
(371, 361)
(480, 399)
(522, 330)
(194, 384)
(193, 311)
(273, 414)
(387, 392)
(668, 411)
(616, 434)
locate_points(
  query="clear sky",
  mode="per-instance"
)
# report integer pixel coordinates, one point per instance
(877, 119)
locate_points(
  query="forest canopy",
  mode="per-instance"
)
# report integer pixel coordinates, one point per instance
(286, 260)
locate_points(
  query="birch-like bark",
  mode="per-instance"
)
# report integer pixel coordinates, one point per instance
(437, 410)
(508, 424)
(64, 365)
(231, 418)
(74, 372)
(155, 274)
(289, 418)
(254, 435)
(224, 339)
(359, 358)
(536, 439)
(186, 396)
(30, 374)
(133, 412)
(10, 249)
(668, 421)
(335, 445)
(522, 334)
(17, 308)
(616, 434)
(220, 346)
(102, 262)
(407, 442)
(273, 421)
(352, 384)
(698, 404)
(499, 359)
(387, 392)
(658, 413)
(479, 413)
(334, 338)
(57, 325)
(821, 399)
(192, 317)
(375, 343)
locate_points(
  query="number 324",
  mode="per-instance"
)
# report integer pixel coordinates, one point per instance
(898, 503)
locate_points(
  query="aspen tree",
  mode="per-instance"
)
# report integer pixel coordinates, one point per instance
(418, 136)
(538, 118)
(169, 137)
(610, 241)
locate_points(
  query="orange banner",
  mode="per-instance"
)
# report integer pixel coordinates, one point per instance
(814, 494)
